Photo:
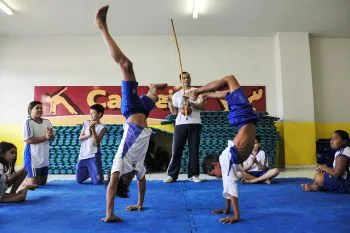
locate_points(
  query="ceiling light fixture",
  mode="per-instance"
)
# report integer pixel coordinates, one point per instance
(195, 9)
(5, 8)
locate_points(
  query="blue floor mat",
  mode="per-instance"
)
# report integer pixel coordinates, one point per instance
(64, 206)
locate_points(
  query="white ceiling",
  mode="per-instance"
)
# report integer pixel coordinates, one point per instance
(328, 18)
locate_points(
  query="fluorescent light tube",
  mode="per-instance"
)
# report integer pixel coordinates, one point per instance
(5, 8)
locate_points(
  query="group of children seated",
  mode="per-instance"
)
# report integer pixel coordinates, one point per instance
(242, 160)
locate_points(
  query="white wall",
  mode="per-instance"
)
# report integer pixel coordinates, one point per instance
(29, 61)
(293, 76)
(330, 60)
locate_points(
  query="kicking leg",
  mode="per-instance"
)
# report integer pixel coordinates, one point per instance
(244, 141)
(268, 175)
(228, 81)
(214, 95)
(115, 52)
(152, 93)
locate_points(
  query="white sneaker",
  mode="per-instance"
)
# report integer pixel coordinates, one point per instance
(168, 179)
(195, 179)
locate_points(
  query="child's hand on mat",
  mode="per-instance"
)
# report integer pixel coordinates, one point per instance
(229, 220)
(134, 207)
(112, 218)
(221, 211)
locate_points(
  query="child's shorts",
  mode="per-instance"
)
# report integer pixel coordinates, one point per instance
(131, 103)
(257, 173)
(91, 167)
(34, 172)
(333, 184)
(241, 111)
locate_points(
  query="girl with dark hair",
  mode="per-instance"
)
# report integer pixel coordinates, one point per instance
(38, 133)
(255, 168)
(336, 178)
(9, 178)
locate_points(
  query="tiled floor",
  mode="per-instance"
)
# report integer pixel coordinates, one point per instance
(286, 173)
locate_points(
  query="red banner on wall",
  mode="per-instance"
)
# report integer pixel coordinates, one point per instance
(76, 100)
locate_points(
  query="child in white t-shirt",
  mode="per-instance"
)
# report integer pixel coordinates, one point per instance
(255, 169)
(38, 133)
(89, 162)
(238, 150)
(129, 160)
(336, 178)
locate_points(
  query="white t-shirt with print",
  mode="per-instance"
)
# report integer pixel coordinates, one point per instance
(260, 157)
(345, 151)
(193, 118)
(39, 152)
(132, 150)
(229, 180)
(87, 147)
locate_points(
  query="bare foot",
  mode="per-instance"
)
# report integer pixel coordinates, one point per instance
(268, 181)
(309, 187)
(101, 17)
(112, 218)
(221, 211)
(230, 220)
(134, 207)
(245, 181)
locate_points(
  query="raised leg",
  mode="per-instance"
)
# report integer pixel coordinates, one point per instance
(115, 52)
(153, 88)
(228, 81)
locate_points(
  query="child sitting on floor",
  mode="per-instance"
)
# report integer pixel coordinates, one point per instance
(336, 178)
(9, 178)
(254, 168)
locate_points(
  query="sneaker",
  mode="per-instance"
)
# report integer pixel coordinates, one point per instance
(195, 179)
(168, 179)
